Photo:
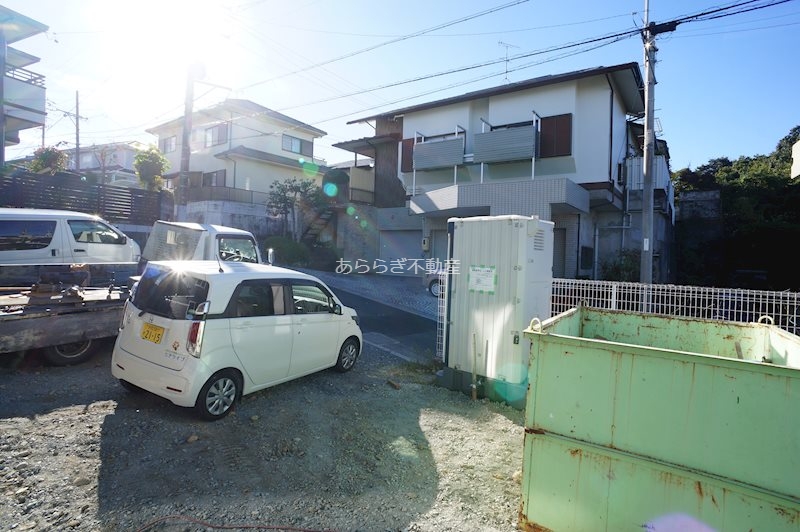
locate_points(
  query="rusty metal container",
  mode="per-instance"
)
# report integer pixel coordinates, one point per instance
(650, 422)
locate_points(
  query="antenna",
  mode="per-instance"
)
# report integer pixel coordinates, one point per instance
(507, 46)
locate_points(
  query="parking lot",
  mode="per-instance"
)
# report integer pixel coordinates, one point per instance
(379, 448)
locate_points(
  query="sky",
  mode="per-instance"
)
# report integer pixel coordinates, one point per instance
(726, 87)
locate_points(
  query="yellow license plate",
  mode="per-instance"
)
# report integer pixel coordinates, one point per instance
(152, 333)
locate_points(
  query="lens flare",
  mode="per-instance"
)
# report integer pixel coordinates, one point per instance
(351, 211)
(330, 190)
(309, 169)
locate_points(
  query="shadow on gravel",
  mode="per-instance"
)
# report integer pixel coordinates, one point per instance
(30, 388)
(328, 451)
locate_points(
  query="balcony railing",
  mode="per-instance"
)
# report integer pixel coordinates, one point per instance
(238, 195)
(500, 145)
(227, 194)
(439, 153)
(26, 76)
(634, 168)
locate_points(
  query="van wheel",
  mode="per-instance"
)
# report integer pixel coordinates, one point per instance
(70, 354)
(219, 395)
(348, 355)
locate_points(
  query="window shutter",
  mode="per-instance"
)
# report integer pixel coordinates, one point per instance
(407, 156)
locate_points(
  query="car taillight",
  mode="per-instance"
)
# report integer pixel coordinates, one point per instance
(195, 338)
(124, 316)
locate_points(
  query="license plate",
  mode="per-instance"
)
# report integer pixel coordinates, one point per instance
(152, 333)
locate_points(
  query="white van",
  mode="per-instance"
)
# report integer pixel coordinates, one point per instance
(44, 236)
(204, 333)
(196, 241)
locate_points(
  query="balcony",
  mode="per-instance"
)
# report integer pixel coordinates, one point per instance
(663, 189)
(500, 145)
(25, 98)
(439, 153)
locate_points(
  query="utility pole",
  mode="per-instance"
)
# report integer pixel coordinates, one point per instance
(77, 117)
(646, 268)
(77, 136)
(3, 58)
(195, 72)
(648, 36)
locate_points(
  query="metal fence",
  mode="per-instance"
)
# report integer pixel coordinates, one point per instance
(731, 304)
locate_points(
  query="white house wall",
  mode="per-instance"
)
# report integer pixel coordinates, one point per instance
(588, 100)
(545, 101)
(590, 130)
(257, 133)
(439, 121)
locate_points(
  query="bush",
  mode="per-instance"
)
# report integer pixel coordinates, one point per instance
(287, 251)
(325, 257)
(624, 267)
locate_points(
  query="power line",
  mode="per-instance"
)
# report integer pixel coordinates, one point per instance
(614, 37)
(392, 41)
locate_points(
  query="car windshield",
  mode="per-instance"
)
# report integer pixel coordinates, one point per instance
(239, 249)
(169, 293)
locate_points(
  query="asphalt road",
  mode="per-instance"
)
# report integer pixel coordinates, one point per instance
(404, 334)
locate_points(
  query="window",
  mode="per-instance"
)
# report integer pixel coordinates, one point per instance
(555, 139)
(216, 135)
(94, 232)
(214, 179)
(237, 249)
(169, 293)
(258, 298)
(18, 235)
(168, 145)
(295, 145)
(310, 299)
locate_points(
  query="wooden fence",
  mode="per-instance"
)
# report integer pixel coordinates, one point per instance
(67, 191)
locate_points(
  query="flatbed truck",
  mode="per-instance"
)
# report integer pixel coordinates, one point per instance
(65, 321)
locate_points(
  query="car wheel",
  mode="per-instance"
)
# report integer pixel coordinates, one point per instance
(219, 395)
(348, 355)
(70, 354)
(435, 288)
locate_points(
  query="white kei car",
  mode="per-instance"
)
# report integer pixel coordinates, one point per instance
(204, 333)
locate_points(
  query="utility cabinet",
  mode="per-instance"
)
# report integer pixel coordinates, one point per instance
(499, 277)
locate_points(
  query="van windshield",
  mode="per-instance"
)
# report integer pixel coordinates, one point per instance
(169, 293)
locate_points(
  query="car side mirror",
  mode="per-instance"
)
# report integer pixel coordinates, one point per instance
(337, 309)
(270, 256)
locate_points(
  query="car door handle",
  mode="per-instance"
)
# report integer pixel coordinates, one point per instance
(79, 250)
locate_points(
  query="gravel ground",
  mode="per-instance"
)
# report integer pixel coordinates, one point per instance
(379, 448)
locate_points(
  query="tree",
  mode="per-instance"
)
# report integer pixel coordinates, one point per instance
(150, 165)
(759, 219)
(48, 160)
(289, 197)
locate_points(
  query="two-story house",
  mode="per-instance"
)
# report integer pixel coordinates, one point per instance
(565, 147)
(112, 163)
(237, 150)
(22, 92)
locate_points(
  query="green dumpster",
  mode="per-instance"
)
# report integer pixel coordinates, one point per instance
(650, 422)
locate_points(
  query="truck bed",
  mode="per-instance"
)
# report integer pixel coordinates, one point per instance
(35, 319)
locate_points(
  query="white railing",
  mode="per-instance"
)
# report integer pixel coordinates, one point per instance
(732, 304)
(634, 170)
